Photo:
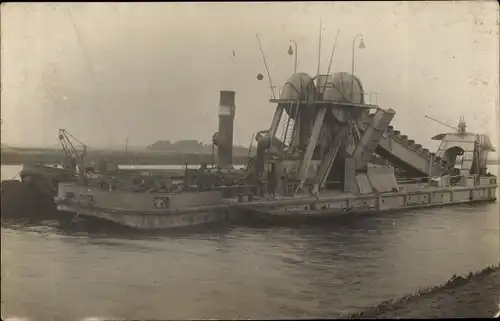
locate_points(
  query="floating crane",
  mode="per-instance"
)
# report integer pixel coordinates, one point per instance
(72, 154)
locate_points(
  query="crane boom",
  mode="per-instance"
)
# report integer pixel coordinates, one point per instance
(69, 149)
(440, 122)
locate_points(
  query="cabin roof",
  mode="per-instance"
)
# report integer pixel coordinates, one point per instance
(443, 135)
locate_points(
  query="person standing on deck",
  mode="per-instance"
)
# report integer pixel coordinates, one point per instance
(209, 180)
(202, 177)
(272, 181)
(284, 184)
(251, 178)
(70, 163)
(169, 185)
(263, 187)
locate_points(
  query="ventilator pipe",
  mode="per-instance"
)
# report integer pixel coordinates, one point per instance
(224, 136)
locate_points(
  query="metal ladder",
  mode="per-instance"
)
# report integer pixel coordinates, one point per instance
(289, 132)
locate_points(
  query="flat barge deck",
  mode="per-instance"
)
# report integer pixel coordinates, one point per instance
(172, 210)
(337, 203)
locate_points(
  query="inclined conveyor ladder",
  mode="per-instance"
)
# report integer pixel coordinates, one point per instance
(403, 152)
(372, 133)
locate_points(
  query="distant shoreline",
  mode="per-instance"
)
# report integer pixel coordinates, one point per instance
(47, 156)
(19, 156)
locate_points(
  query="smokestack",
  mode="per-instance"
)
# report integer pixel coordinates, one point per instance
(226, 125)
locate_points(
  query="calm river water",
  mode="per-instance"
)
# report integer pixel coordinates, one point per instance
(242, 272)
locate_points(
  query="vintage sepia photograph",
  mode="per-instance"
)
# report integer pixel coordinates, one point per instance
(250, 160)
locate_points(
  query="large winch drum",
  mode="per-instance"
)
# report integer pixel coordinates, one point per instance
(344, 87)
(296, 87)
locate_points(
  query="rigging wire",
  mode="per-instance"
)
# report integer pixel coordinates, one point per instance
(331, 58)
(265, 65)
(319, 44)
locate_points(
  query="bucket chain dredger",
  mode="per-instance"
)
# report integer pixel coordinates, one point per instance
(334, 155)
(330, 137)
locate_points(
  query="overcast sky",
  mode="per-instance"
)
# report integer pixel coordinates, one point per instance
(149, 71)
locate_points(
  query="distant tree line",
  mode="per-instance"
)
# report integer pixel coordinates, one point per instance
(190, 146)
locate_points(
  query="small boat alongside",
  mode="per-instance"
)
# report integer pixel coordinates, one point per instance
(143, 210)
(150, 202)
(33, 196)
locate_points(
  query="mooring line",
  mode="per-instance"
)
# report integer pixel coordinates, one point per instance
(15, 175)
(74, 218)
(66, 229)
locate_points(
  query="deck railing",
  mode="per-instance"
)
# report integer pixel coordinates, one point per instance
(370, 98)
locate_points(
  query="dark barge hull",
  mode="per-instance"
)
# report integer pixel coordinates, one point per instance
(25, 201)
(32, 198)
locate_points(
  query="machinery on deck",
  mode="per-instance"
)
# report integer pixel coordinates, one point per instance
(468, 152)
(331, 138)
(46, 177)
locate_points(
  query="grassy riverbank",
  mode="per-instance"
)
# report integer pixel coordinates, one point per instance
(476, 295)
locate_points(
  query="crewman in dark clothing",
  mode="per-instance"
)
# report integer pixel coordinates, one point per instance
(272, 179)
(209, 178)
(69, 163)
(72, 163)
(262, 187)
(284, 184)
(202, 177)
(251, 178)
